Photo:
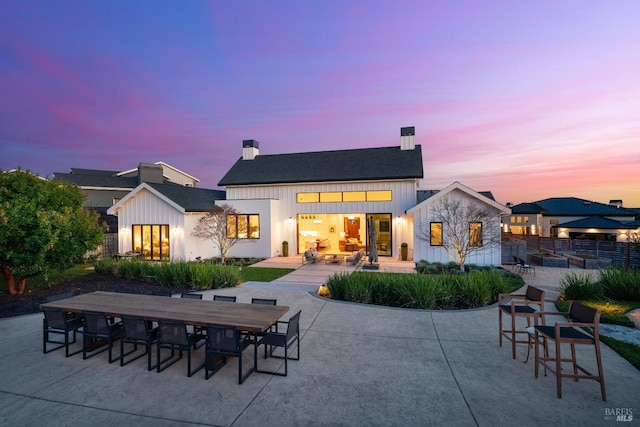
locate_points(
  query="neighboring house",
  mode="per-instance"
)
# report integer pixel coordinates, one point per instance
(434, 250)
(571, 217)
(104, 188)
(156, 220)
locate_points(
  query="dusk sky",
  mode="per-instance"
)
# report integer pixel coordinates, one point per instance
(527, 99)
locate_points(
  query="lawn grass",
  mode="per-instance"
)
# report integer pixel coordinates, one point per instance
(258, 274)
(614, 313)
(55, 277)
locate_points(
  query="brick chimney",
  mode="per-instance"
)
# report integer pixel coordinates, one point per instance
(407, 138)
(250, 149)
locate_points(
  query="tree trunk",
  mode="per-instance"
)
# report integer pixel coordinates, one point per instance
(21, 285)
(11, 284)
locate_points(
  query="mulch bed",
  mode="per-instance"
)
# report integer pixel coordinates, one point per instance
(29, 302)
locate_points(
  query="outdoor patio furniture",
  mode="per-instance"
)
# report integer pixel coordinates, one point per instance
(56, 321)
(571, 332)
(99, 328)
(136, 330)
(356, 258)
(225, 298)
(286, 340)
(311, 256)
(523, 305)
(173, 335)
(223, 342)
(523, 267)
(266, 301)
(162, 292)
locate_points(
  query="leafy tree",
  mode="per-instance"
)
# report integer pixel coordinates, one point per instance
(458, 235)
(215, 227)
(43, 226)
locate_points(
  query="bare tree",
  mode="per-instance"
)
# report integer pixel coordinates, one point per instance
(461, 228)
(222, 227)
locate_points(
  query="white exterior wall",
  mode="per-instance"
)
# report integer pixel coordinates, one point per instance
(270, 229)
(177, 177)
(424, 251)
(285, 206)
(146, 208)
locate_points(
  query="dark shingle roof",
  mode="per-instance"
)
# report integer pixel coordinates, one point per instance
(595, 222)
(569, 206)
(97, 178)
(190, 198)
(326, 166)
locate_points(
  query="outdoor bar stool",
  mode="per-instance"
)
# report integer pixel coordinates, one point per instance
(571, 332)
(519, 305)
(56, 321)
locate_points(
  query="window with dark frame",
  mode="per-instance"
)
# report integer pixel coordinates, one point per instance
(151, 240)
(243, 226)
(435, 233)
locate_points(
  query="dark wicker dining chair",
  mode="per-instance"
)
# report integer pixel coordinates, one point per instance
(286, 340)
(225, 298)
(173, 335)
(136, 330)
(265, 301)
(98, 327)
(57, 322)
(224, 341)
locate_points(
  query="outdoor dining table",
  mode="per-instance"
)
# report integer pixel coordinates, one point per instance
(253, 318)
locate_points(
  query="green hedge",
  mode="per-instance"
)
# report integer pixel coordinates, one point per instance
(192, 275)
(614, 283)
(450, 290)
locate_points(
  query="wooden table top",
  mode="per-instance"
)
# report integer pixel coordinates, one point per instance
(246, 317)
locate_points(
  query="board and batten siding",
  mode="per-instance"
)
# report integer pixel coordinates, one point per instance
(285, 205)
(424, 251)
(146, 208)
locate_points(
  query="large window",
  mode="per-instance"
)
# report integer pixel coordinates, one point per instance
(152, 241)
(345, 196)
(243, 226)
(475, 233)
(435, 233)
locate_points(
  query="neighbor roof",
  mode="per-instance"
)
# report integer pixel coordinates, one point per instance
(97, 178)
(596, 222)
(326, 166)
(569, 206)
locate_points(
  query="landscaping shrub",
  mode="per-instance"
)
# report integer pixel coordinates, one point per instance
(173, 274)
(579, 287)
(620, 284)
(451, 290)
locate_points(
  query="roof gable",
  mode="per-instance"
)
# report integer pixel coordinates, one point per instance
(183, 199)
(386, 163)
(435, 196)
(596, 222)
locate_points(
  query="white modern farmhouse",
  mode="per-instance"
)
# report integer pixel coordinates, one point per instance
(324, 199)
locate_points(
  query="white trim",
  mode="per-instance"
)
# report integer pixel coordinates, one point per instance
(144, 186)
(457, 186)
(82, 187)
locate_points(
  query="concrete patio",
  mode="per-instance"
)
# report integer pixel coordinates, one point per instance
(360, 365)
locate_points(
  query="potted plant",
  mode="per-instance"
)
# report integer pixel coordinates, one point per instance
(285, 248)
(404, 251)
